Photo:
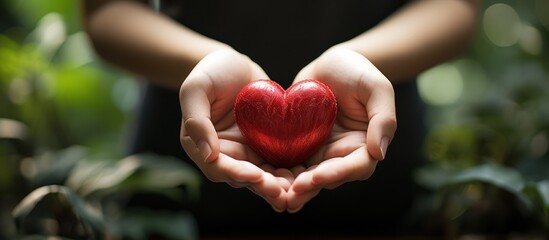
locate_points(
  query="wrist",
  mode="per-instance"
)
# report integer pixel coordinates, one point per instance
(372, 47)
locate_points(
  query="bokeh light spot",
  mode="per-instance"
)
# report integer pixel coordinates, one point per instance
(531, 40)
(441, 85)
(502, 25)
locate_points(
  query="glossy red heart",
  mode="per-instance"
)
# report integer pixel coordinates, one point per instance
(285, 127)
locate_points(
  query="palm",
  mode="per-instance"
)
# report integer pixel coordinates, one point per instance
(365, 101)
(233, 145)
(209, 133)
(346, 142)
(226, 84)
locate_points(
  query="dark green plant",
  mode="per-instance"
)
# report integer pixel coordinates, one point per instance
(488, 152)
(92, 202)
(56, 211)
(56, 98)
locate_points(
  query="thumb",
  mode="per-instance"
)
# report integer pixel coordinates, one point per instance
(380, 133)
(196, 122)
(382, 121)
(305, 73)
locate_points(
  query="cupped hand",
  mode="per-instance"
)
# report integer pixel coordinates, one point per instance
(210, 136)
(364, 127)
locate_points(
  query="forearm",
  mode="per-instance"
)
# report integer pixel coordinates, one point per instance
(419, 36)
(134, 37)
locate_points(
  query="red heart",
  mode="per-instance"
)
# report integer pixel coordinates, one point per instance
(285, 127)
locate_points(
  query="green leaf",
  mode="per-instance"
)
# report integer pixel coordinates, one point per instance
(497, 175)
(56, 210)
(89, 177)
(538, 194)
(543, 188)
(53, 167)
(436, 177)
(14, 145)
(163, 172)
(49, 34)
(140, 172)
(17, 135)
(11, 129)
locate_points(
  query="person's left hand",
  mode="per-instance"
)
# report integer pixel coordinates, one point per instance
(210, 136)
(364, 127)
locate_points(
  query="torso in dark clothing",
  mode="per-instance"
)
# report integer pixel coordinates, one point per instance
(282, 37)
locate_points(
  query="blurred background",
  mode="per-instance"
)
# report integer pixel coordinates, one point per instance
(64, 115)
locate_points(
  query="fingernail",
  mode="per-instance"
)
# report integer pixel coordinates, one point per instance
(204, 149)
(383, 146)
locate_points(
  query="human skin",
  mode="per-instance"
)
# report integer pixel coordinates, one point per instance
(418, 36)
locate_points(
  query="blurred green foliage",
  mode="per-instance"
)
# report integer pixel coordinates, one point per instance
(487, 146)
(54, 93)
(63, 114)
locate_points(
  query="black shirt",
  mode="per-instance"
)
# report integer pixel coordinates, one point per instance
(282, 37)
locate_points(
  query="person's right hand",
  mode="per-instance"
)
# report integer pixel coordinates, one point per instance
(210, 135)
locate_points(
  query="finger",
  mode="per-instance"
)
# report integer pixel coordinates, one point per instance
(271, 191)
(278, 204)
(296, 201)
(190, 147)
(304, 74)
(302, 178)
(238, 151)
(382, 121)
(333, 172)
(224, 70)
(258, 72)
(285, 178)
(303, 182)
(195, 99)
(356, 166)
(268, 186)
(340, 144)
(226, 169)
(268, 168)
(298, 170)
